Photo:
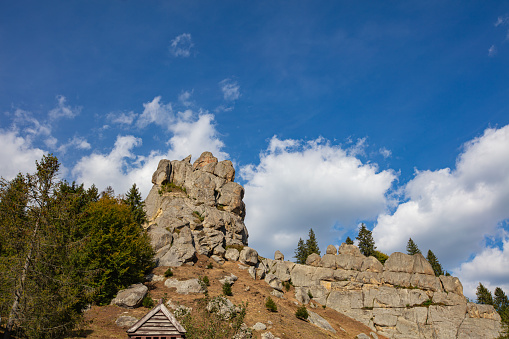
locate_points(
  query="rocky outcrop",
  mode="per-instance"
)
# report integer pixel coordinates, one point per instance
(401, 299)
(194, 209)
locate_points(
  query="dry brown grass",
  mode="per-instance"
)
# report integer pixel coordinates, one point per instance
(284, 323)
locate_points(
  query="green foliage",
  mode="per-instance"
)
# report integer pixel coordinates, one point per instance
(148, 302)
(209, 266)
(171, 187)
(483, 295)
(366, 242)
(310, 295)
(302, 313)
(432, 259)
(198, 216)
(303, 250)
(201, 324)
(312, 244)
(501, 304)
(168, 273)
(134, 200)
(411, 247)
(382, 257)
(227, 289)
(349, 241)
(206, 281)
(270, 305)
(287, 285)
(117, 247)
(42, 290)
(427, 303)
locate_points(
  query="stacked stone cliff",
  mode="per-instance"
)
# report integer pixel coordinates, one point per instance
(194, 209)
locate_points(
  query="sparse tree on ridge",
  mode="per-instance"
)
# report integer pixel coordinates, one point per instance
(432, 259)
(349, 241)
(411, 247)
(300, 253)
(312, 244)
(366, 242)
(483, 295)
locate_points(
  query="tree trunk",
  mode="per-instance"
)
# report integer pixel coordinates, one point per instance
(19, 290)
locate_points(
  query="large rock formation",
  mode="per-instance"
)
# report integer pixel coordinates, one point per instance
(401, 299)
(194, 209)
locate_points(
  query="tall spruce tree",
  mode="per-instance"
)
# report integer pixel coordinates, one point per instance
(500, 301)
(42, 290)
(483, 295)
(300, 252)
(135, 201)
(366, 242)
(432, 259)
(312, 244)
(411, 247)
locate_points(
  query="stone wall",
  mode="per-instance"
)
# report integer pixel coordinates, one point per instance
(194, 209)
(401, 299)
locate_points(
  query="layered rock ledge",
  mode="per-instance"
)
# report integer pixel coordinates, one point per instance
(194, 208)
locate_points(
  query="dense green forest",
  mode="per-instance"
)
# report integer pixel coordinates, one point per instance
(64, 247)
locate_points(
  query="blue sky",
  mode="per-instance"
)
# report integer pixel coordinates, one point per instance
(334, 113)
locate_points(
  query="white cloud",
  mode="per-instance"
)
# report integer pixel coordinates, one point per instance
(62, 110)
(230, 89)
(385, 152)
(184, 98)
(451, 211)
(492, 51)
(301, 185)
(156, 112)
(502, 20)
(491, 267)
(359, 148)
(76, 142)
(18, 155)
(122, 118)
(181, 45)
(189, 133)
(25, 123)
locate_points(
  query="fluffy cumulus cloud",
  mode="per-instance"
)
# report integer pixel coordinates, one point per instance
(230, 89)
(301, 185)
(189, 132)
(181, 46)
(18, 154)
(451, 212)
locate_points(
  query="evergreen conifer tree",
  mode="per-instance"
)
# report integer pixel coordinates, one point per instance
(501, 301)
(483, 295)
(312, 244)
(134, 200)
(411, 247)
(300, 252)
(349, 241)
(432, 259)
(366, 242)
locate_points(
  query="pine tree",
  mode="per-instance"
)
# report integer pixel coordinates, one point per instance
(483, 295)
(134, 200)
(411, 247)
(312, 244)
(349, 241)
(301, 252)
(366, 242)
(501, 301)
(432, 259)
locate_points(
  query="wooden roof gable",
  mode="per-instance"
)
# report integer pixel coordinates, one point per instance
(158, 321)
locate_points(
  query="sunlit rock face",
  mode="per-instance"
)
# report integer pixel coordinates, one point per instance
(194, 208)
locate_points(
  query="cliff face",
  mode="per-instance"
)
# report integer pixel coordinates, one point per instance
(198, 208)
(194, 209)
(401, 299)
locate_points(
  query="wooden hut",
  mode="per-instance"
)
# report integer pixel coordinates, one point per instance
(159, 323)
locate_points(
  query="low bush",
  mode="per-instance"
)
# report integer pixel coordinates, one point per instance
(168, 273)
(302, 313)
(270, 305)
(148, 302)
(227, 289)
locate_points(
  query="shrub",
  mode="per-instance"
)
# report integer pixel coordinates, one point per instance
(148, 302)
(197, 215)
(287, 286)
(302, 313)
(210, 266)
(227, 289)
(168, 273)
(310, 295)
(270, 305)
(206, 281)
